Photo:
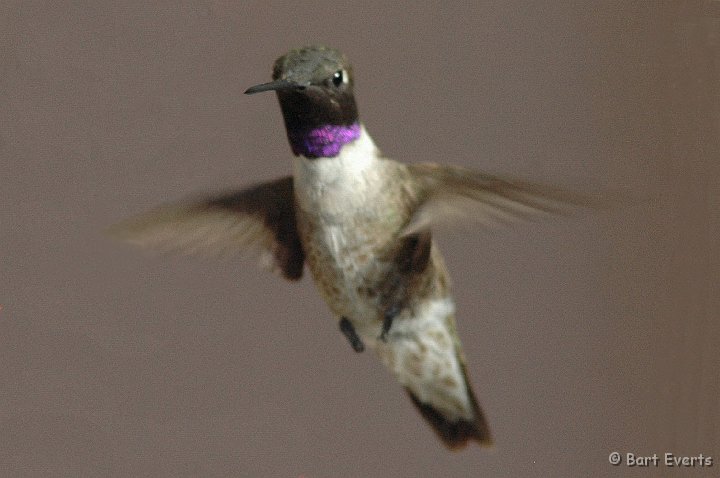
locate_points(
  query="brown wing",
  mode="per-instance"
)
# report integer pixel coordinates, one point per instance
(261, 218)
(450, 193)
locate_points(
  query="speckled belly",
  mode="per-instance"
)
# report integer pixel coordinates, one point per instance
(347, 265)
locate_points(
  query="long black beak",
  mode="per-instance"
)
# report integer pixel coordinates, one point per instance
(274, 86)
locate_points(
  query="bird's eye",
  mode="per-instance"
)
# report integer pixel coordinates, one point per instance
(339, 78)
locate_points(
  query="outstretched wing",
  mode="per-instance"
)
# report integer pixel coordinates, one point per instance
(424, 351)
(449, 193)
(260, 219)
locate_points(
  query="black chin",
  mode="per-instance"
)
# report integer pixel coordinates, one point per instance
(304, 110)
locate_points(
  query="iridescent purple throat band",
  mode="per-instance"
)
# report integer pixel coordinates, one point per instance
(325, 141)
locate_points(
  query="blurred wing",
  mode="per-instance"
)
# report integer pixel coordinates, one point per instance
(259, 219)
(452, 194)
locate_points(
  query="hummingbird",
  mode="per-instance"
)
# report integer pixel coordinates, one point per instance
(362, 223)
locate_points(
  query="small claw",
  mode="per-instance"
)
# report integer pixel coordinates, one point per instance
(388, 318)
(346, 327)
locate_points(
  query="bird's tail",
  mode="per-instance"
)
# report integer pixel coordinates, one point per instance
(456, 432)
(425, 354)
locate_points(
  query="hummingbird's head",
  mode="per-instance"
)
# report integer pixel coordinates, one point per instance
(315, 88)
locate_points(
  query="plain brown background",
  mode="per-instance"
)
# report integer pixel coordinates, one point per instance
(584, 335)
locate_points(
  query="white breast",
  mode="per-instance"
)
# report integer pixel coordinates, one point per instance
(343, 197)
(336, 186)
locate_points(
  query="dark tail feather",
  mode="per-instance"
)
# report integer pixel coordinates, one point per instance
(456, 434)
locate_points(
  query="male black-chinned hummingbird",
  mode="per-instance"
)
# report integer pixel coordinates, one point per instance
(362, 223)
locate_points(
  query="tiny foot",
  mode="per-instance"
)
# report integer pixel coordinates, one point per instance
(388, 318)
(346, 327)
